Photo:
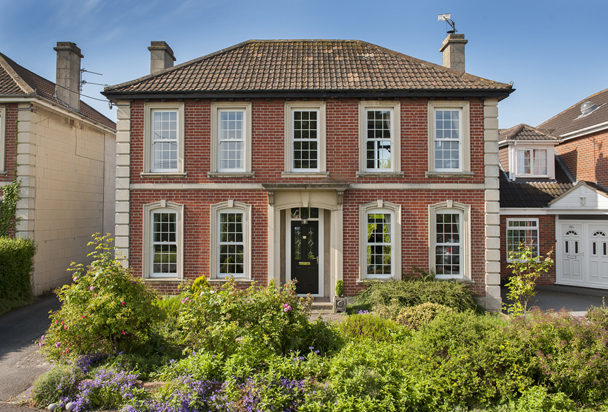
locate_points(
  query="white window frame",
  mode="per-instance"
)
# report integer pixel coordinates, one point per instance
(535, 228)
(379, 207)
(464, 211)
(2, 139)
(395, 109)
(230, 206)
(148, 244)
(290, 108)
(216, 109)
(514, 149)
(149, 109)
(464, 140)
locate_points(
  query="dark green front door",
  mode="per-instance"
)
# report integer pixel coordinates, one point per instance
(305, 256)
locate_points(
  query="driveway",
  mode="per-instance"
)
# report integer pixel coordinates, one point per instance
(574, 299)
(20, 364)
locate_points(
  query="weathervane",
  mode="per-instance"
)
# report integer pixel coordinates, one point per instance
(447, 18)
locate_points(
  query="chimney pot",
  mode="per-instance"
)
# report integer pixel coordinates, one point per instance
(161, 56)
(453, 51)
(67, 82)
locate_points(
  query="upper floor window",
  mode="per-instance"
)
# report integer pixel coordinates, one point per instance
(379, 140)
(2, 138)
(532, 162)
(305, 137)
(449, 141)
(231, 142)
(164, 138)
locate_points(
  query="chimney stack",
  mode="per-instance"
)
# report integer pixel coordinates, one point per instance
(161, 56)
(67, 87)
(453, 51)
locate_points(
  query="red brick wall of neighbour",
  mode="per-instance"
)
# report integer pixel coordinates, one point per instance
(546, 237)
(587, 157)
(342, 154)
(9, 142)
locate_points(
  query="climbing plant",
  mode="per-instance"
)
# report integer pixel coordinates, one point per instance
(10, 197)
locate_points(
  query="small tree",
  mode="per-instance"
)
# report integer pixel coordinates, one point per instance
(527, 268)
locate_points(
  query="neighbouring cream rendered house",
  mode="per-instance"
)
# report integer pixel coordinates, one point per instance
(64, 154)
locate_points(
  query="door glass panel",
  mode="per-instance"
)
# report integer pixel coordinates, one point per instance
(575, 247)
(605, 249)
(297, 243)
(594, 247)
(311, 243)
(566, 245)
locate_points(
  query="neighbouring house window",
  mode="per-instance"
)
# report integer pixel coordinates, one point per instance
(449, 137)
(305, 132)
(532, 162)
(164, 138)
(231, 145)
(449, 238)
(2, 138)
(379, 136)
(522, 231)
(163, 240)
(231, 242)
(380, 240)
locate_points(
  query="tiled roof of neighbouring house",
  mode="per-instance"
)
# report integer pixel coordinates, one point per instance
(17, 81)
(523, 132)
(307, 65)
(572, 120)
(530, 194)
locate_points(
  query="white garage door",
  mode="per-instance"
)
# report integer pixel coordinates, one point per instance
(582, 253)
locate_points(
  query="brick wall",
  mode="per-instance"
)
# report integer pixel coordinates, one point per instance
(9, 141)
(546, 237)
(342, 142)
(587, 157)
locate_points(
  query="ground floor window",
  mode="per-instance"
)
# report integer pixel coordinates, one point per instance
(521, 231)
(380, 240)
(230, 240)
(163, 240)
(450, 240)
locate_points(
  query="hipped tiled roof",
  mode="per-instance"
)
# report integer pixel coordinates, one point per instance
(17, 81)
(523, 132)
(306, 65)
(570, 120)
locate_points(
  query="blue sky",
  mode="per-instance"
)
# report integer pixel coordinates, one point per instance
(555, 52)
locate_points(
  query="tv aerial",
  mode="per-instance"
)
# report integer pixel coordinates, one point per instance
(447, 18)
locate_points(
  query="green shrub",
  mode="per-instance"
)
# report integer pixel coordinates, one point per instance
(199, 366)
(340, 288)
(598, 315)
(323, 336)
(416, 316)
(8, 208)
(16, 266)
(570, 353)
(372, 327)
(59, 382)
(217, 319)
(104, 310)
(538, 399)
(413, 292)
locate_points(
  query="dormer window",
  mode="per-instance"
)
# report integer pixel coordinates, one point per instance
(532, 162)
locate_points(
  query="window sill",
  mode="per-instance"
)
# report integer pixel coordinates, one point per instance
(305, 174)
(3, 173)
(449, 174)
(224, 280)
(380, 174)
(215, 175)
(164, 280)
(162, 174)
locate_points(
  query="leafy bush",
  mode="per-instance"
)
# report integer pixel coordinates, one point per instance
(372, 327)
(416, 316)
(413, 292)
(60, 382)
(16, 266)
(200, 366)
(570, 353)
(218, 319)
(8, 208)
(104, 310)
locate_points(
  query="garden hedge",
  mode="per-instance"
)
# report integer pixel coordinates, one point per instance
(16, 266)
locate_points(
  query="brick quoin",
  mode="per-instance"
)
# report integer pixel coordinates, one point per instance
(546, 239)
(342, 163)
(587, 157)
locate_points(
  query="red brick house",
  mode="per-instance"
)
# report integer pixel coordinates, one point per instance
(65, 156)
(553, 188)
(315, 160)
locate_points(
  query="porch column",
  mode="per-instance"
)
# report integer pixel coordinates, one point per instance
(336, 244)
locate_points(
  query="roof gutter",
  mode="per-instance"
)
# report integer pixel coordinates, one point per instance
(43, 102)
(323, 94)
(581, 132)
